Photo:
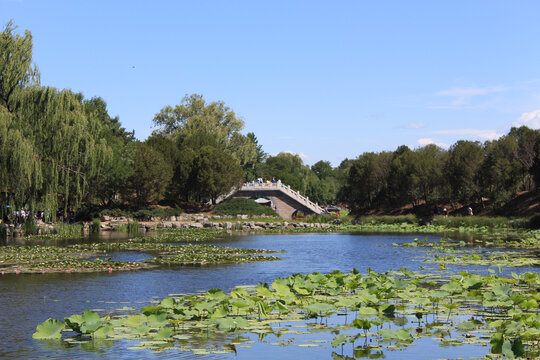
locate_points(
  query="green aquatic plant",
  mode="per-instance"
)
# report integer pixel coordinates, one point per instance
(49, 329)
(501, 309)
(75, 258)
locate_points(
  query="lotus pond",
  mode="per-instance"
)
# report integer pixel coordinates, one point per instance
(392, 305)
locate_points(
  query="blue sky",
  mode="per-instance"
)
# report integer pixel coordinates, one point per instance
(326, 80)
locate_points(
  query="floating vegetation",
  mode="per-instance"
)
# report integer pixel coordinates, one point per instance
(448, 251)
(12, 254)
(362, 314)
(31, 259)
(498, 259)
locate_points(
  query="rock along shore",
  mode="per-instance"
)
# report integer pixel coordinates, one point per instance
(200, 221)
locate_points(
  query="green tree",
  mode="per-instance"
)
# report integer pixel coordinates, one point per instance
(151, 175)
(194, 115)
(428, 172)
(367, 184)
(51, 147)
(107, 184)
(526, 140)
(253, 166)
(194, 125)
(501, 171)
(402, 184)
(289, 168)
(16, 68)
(322, 169)
(465, 159)
(215, 173)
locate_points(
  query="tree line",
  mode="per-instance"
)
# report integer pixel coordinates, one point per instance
(469, 172)
(60, 152)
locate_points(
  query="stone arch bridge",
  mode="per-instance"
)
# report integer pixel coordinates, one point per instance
(285, 200)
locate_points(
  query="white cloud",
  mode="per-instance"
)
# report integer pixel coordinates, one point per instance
(415, 125)
(486, 134)
(530, 119)
(427, 141)
(462, 96)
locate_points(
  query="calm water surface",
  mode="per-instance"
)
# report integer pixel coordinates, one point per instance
(27, 300)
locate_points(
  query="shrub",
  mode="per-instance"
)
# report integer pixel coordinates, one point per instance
(68, 229)
(534, 222)
(114, 212)
(166, 212)
(30, 227)
(132, 227)
(96, 225)
(241, 206)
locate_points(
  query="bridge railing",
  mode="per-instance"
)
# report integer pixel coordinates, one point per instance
(278, 186)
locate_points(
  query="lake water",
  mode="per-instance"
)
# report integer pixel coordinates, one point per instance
(28, 300)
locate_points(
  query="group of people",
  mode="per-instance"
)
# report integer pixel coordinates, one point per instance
(20, 216)
(438, 211)
(260, 181)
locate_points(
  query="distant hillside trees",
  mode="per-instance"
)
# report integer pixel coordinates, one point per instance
(465, 173)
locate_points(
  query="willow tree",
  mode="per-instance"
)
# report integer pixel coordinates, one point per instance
(66, 141)
(18, 168)
(16, 68)
(49, 146)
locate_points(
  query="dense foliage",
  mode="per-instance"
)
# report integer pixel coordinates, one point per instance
(468, 173)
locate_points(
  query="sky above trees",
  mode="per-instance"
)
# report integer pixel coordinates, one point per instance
(322, 79)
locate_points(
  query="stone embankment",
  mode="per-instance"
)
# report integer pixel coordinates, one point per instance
(238, 223)
(205, 221)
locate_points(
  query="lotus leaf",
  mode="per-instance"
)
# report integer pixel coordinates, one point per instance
(220, 311)
(340, 340)
(151, 309)
(502, 291)
(264, 292)
(400, 335)
(467, 325)
(163, 333)
(319, 308)
(168, 302)
(135, 320)
(216, 294)
(367, 311)
(157, 319)
(363, 324)
(75, 322)
(387, 309)
(140, 330)
(103, 331)
(472, 282)
(231, 323)
(49, 329)
(239, 293)
(281, 287)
